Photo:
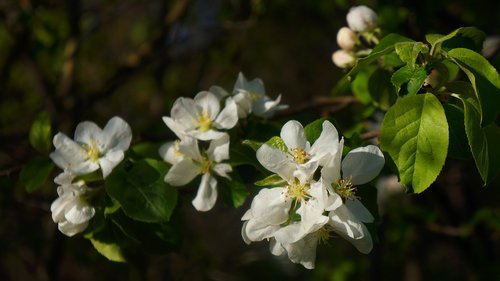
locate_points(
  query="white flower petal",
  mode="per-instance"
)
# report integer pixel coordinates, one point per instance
(184, 113)
(207, 135)
(331, 171)
(87, 131)
(219, 149)
(350, 228)
(169, 152)
(70, 229)
(80, 212)
(276, 161)
(117, 134)
(223, 170)
(179, 131)
(59, 206)
(208, 103)
(182, 173)
(228, 117)
(303, 251)
(71, 156)
(207, 193)
(255, 87)
(218, 91)
(326, 144)
(188, 147)
(359, 210)
(276, 248)
(363, 164)
(244, 103)
(293, 135)
(244, 233)
(109, 161)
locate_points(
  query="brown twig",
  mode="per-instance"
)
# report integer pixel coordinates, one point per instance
(338, 104)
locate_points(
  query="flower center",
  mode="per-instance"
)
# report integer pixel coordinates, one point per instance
(205, 165)
(323, 235)
(298, 191)
(92, 149)
(204, 122)
(254, 96)
(299, 155)
(344, 188)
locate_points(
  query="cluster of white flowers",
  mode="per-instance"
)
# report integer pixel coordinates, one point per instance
(352, 40)
(201, 120)
(304, 211)
(92, 149)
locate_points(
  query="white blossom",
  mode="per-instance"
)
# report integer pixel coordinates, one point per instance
(343, 59)
(71, 211)
(201, 117)
(93, 147)
(189, 162)
(250, 96)
(346, 38)
(361, 19)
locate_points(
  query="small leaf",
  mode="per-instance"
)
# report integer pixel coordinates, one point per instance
(41, 133)
(408, 81)
(142, 192)
(384, 47)
(272, 180)
(485, 81)
(110, 250)
(484, 142)
(359, 85)
(253, 144)
(432, 38)
(234, 191)
(409, 51)
(35, 173)
(473, 34)
(415, 134)
(313, 130)
(278, 143)
(381, 89)
(459, 146)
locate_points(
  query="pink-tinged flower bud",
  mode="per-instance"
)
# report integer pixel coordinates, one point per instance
(491, 45)
(362, 19)
(346, 38)
(342, 59)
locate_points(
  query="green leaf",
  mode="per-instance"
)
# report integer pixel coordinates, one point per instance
(141, 190)
(253, 144)
(234, 191)
(432, 38)
(485, 81)
(414, 133)
(313, 130)
(146, 150)
(384, 47)
(408, 81)
(278, 143)
(381, 89)
(458, 145)
(35, 173)
(41, 133)
(110, 250)
(473, 34)
(484, 142)
(359, 85)
(272, 180)
(409, 51)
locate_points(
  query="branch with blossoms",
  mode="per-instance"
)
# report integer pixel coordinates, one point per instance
(311, 183)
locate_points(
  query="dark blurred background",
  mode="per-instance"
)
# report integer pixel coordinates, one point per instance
(91, 60)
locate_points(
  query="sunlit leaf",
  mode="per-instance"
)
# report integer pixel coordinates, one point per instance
(35, 173)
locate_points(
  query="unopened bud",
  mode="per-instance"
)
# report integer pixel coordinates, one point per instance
(362, 19)
(346, 38)
(342, 59)
(490, 46)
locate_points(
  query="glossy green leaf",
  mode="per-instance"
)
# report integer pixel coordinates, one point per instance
(484, 142)
(408, 52)
(458, 145)
(142, 192)
(313, 130)
(408, 81)
(35, 173)
(485, 81)
(473, 34)
(414, 133)
(41, 133)
(385, 46)
(233, 191)
(272, 180)
(359, 84)
(381, 90)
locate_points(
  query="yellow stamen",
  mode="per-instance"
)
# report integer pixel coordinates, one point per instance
(300, 155)
(344, 188)
(323, 235)
(204, 122)
(298, 191)
(205, 165)
(92, 149)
